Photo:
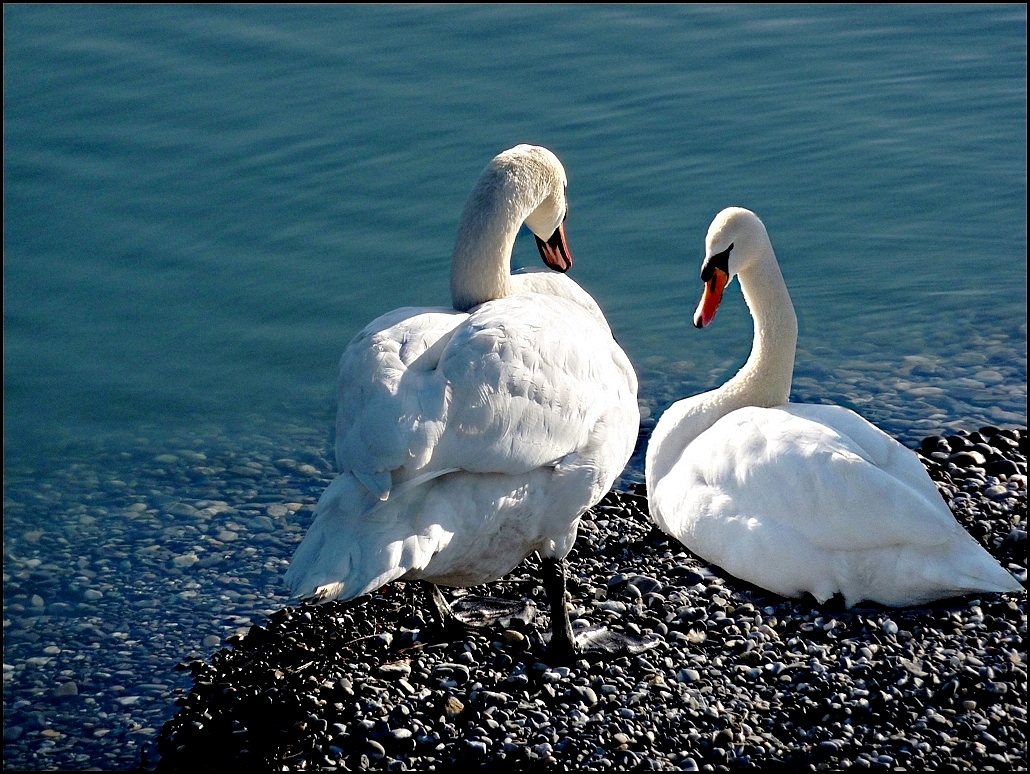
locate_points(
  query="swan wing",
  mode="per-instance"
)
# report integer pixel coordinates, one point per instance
(532, 379)
(878, 448)
(821, 472)
(518, 383)
(391, 403)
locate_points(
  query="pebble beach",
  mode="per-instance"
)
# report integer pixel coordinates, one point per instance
(739, 678)
(157, 634)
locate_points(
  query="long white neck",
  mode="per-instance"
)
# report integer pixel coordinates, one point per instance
(481, 266)
(764, 380)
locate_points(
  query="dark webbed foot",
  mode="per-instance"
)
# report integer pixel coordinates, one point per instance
(470, 612)
(564, 647)
(598, 639)
(485, 611)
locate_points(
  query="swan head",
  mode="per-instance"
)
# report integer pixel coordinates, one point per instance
(736, 240)
(545, 178)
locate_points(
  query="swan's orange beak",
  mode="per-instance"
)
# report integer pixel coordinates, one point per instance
(555, 251)
(711, 298)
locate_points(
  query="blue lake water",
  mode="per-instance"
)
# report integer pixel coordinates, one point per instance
(203, 204)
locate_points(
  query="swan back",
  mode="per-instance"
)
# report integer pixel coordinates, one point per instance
(549, 283)
(515, 384)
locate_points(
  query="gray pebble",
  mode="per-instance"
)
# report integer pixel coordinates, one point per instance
(67, 689)
(13, 733)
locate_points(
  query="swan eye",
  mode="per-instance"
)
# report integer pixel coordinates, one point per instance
(720, 261)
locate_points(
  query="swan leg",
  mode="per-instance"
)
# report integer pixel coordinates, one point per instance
(564, 647)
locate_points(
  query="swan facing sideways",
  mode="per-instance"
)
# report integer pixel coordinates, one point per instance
(468, 438)
(794, 497)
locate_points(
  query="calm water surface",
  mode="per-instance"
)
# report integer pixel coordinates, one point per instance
(202, 205)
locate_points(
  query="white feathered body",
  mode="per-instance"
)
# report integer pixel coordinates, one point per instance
(813, 498)
(466, 441)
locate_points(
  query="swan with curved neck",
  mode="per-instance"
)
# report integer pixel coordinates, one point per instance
(736, 236)
(792, 497)
(468, 438)
(523, 185)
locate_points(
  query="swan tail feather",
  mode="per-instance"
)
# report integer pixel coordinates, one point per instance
(358, 543)
(919, 575)
(336, 559)
(972, 570)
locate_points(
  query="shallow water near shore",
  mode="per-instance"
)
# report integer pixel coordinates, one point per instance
(203, 206)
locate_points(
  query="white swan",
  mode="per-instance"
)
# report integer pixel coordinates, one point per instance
(793, 497)
(468, 438)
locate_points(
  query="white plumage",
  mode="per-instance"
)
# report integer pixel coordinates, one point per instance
(466, 440)
(793, 497)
